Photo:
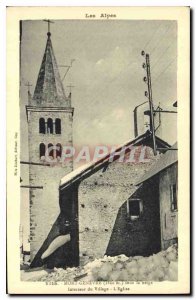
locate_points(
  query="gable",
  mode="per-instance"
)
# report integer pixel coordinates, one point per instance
(87, 170)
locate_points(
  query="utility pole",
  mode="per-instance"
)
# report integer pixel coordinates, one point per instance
(148, 94)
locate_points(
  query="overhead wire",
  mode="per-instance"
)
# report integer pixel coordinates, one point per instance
(93, 99)
(119, 74)
(156, 46)
(167, 66)
(117, 77)
(154, 33)
(163, 53)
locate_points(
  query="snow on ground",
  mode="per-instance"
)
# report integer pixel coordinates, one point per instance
(32, 276)
(157, 267)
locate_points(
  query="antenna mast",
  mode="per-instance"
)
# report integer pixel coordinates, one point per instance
(68, 68)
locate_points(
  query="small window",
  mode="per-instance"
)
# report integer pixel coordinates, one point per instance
(42, 150)
(42, 125)
(58, 150)
(58, 126)
(50, 126)
(51, 150)
(173, 197)
(134, 208)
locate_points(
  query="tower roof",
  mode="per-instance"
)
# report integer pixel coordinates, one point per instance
(49, 90)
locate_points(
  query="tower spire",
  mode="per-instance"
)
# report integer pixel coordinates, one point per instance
(49, 90)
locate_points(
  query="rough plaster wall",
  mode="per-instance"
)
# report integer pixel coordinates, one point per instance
(100, 197)
(169, 219)
(44, 203)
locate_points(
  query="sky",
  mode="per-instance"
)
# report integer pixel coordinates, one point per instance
(107, 72)
(107, 76)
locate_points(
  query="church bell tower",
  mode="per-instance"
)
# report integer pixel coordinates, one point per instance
(50, 118)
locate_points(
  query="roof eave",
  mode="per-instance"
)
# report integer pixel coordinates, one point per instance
(155, 174)
(95, 166)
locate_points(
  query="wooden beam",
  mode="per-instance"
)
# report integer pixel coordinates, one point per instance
(31, 187)
(35, 164)
(167, 149)
(165, 111)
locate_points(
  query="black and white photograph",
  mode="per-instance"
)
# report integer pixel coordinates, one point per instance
(98, 152)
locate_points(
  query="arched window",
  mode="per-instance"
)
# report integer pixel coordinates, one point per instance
(58, 150)
(41, 125)
(58, 126)
(50, 125)
(42, 150)
(51, 150)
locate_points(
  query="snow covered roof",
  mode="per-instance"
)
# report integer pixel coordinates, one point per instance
(165, 160)
(87, 169)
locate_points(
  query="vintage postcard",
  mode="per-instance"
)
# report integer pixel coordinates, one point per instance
(98, 150)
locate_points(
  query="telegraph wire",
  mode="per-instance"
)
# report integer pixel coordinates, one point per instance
(116, 77)
(134, 91)
(119, 74)
(168, 65)
(156, 46)
(154, 33)
(162, 55)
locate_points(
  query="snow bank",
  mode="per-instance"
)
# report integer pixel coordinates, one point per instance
(158, 267)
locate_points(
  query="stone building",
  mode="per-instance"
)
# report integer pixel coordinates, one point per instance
(106, 215)
(50, 118)
(160, 183)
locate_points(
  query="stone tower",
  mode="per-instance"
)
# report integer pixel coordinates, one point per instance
(50, 118)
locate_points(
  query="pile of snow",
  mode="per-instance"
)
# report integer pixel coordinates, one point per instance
(60, 274)
(157, 267)
(26, 275)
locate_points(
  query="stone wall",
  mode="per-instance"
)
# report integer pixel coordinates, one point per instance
(102, 200)
(44, 203)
